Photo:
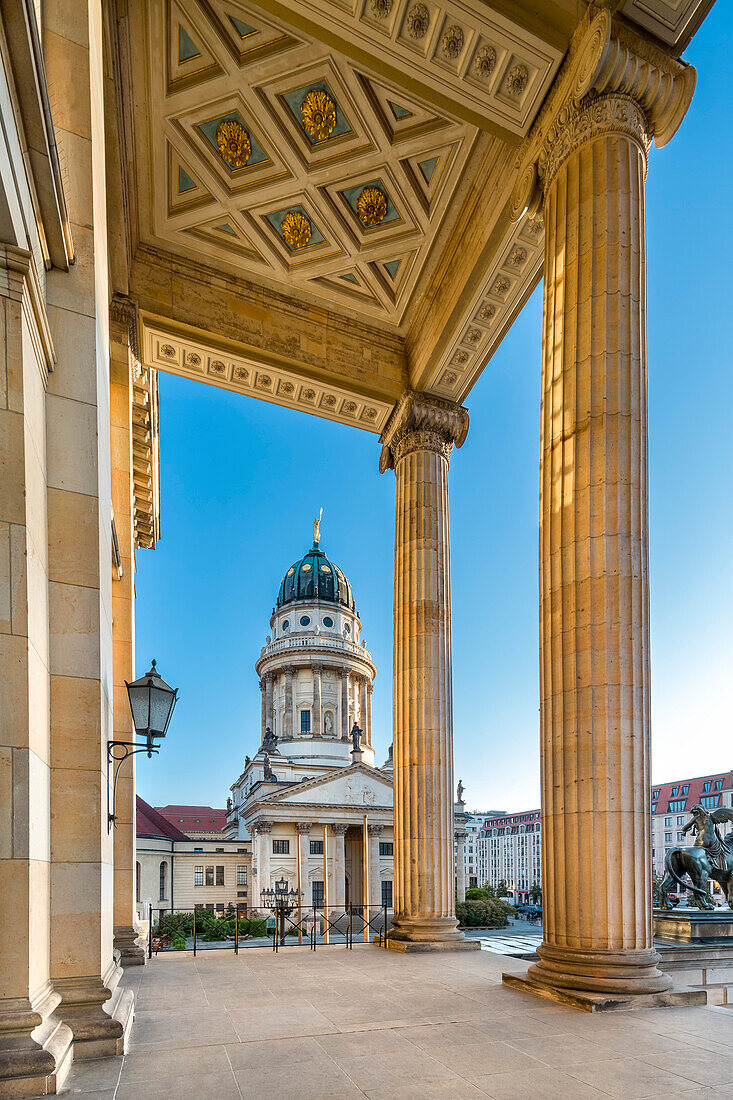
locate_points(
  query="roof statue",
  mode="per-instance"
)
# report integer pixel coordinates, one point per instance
(269, 742)
(269, 775)
(711, 857)
(460, 790)
(317, 528)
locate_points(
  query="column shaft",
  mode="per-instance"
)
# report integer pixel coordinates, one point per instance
(344, 703)
(338, 832)
(289, 728)
(375, 882)
(460, 866)
(368, 725)
(594, 590)
(269, 701)
(263, 708)
(317, 722)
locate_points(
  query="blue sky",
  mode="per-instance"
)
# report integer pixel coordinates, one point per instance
(241, 481)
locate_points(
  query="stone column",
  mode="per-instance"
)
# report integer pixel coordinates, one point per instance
(345, 704)
(303, 829)
(269, 679)
(375, 881)
(289, 729)
(460, 865)
(262, 829)
(363, 707)
(124, 364)
(417, 443)
(368, 726)
(338, 831)
(590, 154)
(317, 721)
(263, 708)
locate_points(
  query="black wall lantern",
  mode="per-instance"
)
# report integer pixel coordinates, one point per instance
(151, 702)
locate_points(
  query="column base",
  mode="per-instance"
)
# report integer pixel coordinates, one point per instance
(128, 949)
(606, 1002)
(428, 934)
(99, 1013)
(614, 973)
(36, 1049)
(423, 947)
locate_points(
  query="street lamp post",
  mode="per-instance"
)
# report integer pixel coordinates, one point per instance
(151, 702)
(283, 901)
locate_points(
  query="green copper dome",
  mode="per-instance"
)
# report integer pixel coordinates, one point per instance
(314, 577)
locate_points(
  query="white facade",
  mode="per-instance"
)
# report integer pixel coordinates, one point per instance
(511, 851)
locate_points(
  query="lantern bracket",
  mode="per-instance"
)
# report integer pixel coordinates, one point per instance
(129, 749)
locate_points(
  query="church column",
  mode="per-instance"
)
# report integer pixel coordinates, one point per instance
(417, 443)
(263, 714)
(375, 881)
(460, 865)
(317, 723)
(303, 828)
(269, 679)
(368, 726)
(289, 728)
(262, 828)
(345, 704)
(338, 832)
(363, 707)
(590, 155)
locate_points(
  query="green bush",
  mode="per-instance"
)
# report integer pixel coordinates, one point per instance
(170, 923)
(484, 913)
(252, 926)
(178, 942)
(479, 893)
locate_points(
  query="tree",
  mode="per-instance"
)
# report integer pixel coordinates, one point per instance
(535, 893)
(502, 890)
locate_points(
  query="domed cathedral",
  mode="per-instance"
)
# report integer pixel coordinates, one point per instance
(318, 811)
(316, 674)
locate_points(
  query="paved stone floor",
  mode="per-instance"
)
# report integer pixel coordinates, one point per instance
(368, 1023)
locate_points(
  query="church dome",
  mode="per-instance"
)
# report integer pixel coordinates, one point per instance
(314, 577)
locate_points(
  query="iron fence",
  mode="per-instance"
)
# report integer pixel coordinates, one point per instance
(201, 928)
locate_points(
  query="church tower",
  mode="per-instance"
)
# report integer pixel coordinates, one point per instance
(316, 675)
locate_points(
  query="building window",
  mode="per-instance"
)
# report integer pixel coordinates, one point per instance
(386, 848)
(654, 807)
(209, 876)
(305, 620)
(685, 789)
(220, 906)
(286, 624)
(327, 621)
(281, 847)
(655, 795)
(706, 785)
(387, 894)
(317, 894)
(667, 838)
(198, 849)
(241, 876)
(241, 893)
(674, 807)
(680, 820)
(198, 876)
(218, 849)
(674, 792)
(163, 878)
(316, 847)
(137, 880)
(711, 801)
(718, 785)
(219, 876)
(305, 721)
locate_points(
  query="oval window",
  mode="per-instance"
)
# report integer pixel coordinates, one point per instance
(325, 569)
(286, 624)
(305, 620)
(327, 620)
(290, 572)
(347, 628)
(306, 568)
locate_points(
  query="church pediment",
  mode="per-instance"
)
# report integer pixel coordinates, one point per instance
(353, 786)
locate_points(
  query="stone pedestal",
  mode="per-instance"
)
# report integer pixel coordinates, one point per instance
(589, 149)
(694, 926)
(416, 444)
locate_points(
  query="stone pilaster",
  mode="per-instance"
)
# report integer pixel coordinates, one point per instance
(338, 863)
(585, 164)
(460, 865)
(288, 721)
(417, 443)
(263, 709)
(317, 720)
(269, 679)
(344, 704)
(262, 829)
(374, 833)
(368, 725)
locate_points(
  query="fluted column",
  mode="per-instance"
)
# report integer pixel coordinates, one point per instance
(375, 882)
(269, 679)
(263, 714)
(363, 706)
(317, 724)
(591, 157)
(338, 831)
(289, 729)
(345, 704)
(417, 444)
(368, 725)
(460, 865)
(262, 828)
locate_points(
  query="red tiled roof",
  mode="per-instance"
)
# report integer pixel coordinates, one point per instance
(695, 791)
(148, 822)
(195, 817)
(523, 817)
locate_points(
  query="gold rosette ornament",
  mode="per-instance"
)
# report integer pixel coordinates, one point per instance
(233, 142)
(371, 206)
(296, 229)
(318, 112)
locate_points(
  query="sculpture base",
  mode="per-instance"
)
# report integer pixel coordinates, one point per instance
(606, 1002)
(422, 947)
(694, 926)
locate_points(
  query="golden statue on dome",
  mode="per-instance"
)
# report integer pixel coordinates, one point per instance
(317, 528)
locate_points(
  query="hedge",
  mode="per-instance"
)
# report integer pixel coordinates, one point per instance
(486, 913)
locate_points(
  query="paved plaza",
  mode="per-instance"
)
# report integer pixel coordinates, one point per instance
(342, 1024)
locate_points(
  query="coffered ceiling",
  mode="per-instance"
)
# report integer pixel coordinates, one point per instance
(269, 154)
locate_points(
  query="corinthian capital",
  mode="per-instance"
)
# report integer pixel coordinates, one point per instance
(612, 80)
(420, 422)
